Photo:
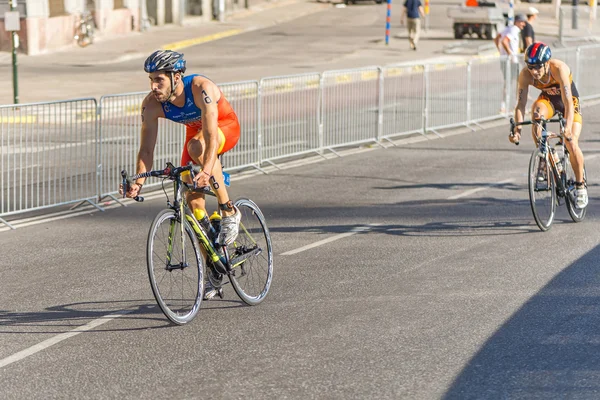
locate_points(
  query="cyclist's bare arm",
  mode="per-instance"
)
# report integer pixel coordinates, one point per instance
(151, 111)
(522, 91)
(206, 94)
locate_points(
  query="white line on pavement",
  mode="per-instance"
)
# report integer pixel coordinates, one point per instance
(478, 189)
(59, 338)
(354, 231)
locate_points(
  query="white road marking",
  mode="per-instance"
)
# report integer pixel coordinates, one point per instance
(478, 189)
(59, 338)
(354, 231)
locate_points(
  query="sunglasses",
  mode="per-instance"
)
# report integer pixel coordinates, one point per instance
(536, 67)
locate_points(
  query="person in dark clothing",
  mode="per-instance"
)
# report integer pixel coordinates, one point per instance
(527, 33)
(413, 11)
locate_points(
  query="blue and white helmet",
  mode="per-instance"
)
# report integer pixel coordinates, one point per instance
(165, 60)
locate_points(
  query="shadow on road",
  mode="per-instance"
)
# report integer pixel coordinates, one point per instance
(546, 350)
(64, 318)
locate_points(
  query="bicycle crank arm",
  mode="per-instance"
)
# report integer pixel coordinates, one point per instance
(171, 267)
(240, 259)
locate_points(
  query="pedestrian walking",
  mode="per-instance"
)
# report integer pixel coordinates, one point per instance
(413, 12)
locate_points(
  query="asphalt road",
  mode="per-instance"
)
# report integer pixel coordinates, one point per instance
(451, 291)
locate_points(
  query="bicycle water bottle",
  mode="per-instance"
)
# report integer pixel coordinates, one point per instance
(202, 218)
(215, 220)
(557, 161)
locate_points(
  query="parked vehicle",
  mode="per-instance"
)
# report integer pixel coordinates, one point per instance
(484, 21)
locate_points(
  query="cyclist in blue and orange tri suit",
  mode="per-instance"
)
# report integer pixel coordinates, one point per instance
(212, 128)
(558, 94)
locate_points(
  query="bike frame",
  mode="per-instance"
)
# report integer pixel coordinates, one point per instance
(181, 208)
(544, 146)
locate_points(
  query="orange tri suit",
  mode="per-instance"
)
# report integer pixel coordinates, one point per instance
(191, 116)
(552, 98)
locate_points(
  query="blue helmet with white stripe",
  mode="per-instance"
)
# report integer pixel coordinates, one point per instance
(165, 60)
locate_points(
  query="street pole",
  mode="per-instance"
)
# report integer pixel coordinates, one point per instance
(15, 45)
(388, 21)
(426, 15)
(574, 13)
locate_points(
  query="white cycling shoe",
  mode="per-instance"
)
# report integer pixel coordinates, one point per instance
(230, 227)
(581, 197)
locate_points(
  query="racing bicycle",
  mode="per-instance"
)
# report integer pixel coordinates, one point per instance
(551, 175)
(182, 251)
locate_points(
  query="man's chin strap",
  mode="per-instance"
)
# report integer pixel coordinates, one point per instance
(173, 86)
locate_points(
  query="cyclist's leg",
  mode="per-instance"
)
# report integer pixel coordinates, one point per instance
(577, 161)
(575, 154)
(195, 200)
(198, 201)
(228, 137)
(195, 148)
(542, 107)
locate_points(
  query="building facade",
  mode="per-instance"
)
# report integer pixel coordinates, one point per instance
(50, 25)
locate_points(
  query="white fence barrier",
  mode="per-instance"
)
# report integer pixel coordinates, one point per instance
(73, 151)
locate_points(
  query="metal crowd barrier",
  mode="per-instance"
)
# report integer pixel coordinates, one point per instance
(244, 98)
(69, 152)
(48, 155)
(290, 116)
(351, 107)
(403, 107)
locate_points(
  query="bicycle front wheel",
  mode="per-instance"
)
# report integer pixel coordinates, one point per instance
(542, 190)
(577, 214)
(251, 255)
(175, 267)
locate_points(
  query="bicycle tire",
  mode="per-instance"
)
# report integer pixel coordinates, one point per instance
(252, 279)
(577, 214)
(178, 308)
(542, 200)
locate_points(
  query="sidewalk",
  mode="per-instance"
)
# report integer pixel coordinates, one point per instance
(138, 45)
(334, 37)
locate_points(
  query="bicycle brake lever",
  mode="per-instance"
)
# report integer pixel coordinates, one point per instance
(512, 130)
(124, 183)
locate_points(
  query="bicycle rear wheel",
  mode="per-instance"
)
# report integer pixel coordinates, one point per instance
(577, 214)
(542, 191)
(175, 268)
(251, 255)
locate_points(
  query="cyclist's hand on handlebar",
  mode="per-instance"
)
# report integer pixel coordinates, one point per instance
(515, 136)
(202, 179)
(133, 190)
(568, 134)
